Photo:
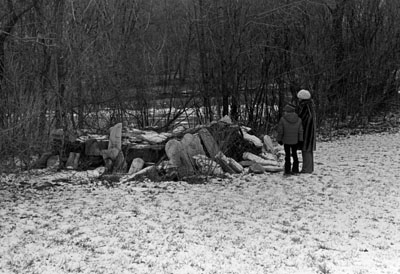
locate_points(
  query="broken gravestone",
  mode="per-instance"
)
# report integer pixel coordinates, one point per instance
(209, 142)
(113, 156)
(179, 158)
(258, 159)
(136, 165)
(267, 164)
(228, 164)
(238, 168)
(223, 161)
(115, 137)
(268, 145)
(73, 160)
(252, 139)
(149, 172)
(192, 145)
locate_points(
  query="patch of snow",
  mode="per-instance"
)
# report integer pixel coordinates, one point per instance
(343, 218)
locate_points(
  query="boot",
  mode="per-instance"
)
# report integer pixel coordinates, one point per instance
(295, 168)
(287, 168)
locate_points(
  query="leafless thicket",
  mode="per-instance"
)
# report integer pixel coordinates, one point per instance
(63, 62)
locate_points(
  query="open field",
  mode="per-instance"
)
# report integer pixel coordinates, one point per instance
(344, 218)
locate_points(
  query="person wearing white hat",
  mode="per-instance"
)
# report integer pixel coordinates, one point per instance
(306, 111)
(303, 95)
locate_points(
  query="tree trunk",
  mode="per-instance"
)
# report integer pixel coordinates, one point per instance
(58, 64)
(203, 61)
(5, 31)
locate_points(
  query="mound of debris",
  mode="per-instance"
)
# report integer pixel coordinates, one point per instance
(130, 154)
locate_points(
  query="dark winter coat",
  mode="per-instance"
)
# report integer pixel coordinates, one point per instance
(290, 129)
(306, 111)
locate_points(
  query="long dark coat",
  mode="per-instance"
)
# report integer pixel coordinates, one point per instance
(306, 111)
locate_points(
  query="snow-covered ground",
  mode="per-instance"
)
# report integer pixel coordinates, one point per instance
(344, 218)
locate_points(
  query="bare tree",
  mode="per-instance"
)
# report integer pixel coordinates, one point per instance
(9, 18)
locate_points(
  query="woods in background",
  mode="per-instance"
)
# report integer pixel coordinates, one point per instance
(63, 61)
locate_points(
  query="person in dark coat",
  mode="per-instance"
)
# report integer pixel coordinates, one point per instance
(306, 111)
(290, 134)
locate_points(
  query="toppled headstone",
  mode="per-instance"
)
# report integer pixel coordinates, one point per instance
(192, 144)
(238, 168)
(209, 142)
(252, 157)
(179, 158)
(223, 161)
(268, 145)
(150, 171)
(73, 160)
(228, 164)
(173, 150)
(136, 165)
(252, 139)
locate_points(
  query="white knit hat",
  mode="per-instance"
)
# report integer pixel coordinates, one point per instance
(304, 94)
